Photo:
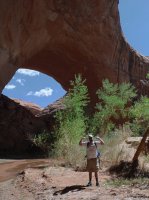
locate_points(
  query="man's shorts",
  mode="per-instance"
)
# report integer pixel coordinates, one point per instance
(93, 165)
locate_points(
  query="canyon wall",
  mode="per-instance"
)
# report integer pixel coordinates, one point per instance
(62, 38)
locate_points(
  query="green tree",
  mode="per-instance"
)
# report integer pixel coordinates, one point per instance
(113, 105)
(139, 113)
(72, 120)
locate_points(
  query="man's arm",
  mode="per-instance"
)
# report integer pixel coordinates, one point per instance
(81, 141)
(101, 140)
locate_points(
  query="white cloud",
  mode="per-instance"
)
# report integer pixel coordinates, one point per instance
(10, 87)
(21, 81)
(30, 93)
(28, 72)
(41, 93)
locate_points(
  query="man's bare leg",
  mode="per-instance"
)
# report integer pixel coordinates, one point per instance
(90, 179)
(96, 177)
(90, 176)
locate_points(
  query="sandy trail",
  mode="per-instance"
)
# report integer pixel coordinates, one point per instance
(49, 182)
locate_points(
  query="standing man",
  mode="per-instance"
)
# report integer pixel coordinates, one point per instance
(92, 157)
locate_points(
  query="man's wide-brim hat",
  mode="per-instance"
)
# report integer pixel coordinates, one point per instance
(90, 135)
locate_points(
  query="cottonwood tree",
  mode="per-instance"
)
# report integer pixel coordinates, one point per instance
(113, 105)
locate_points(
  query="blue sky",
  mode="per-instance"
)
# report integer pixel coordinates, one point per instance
(134, 15)
(41, 89)
(35, 87)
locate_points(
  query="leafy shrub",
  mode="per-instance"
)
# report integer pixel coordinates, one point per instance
(44, 141)
(112, 105)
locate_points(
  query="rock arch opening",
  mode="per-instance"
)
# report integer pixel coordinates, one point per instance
(33, 87)
(28, 111)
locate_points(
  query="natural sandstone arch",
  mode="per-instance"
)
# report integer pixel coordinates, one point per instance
(62, 38)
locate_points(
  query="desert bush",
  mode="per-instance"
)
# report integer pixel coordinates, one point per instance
(44, 141)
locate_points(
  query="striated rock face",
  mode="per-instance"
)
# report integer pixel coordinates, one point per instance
(33, 108)
(18, 125)
(20, 121)
(47, 114)
(62, 38)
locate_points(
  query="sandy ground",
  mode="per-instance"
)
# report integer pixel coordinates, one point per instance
(10, 168)
(54, 183)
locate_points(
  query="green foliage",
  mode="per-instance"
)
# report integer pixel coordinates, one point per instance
(147, 76)
(139, 112)
(77, 98)
(112, 105)
(72, 122)
(43, 140)
(136, 128)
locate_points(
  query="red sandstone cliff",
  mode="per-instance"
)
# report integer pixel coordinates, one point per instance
(33, 108)
(62, 38)
(18, 125)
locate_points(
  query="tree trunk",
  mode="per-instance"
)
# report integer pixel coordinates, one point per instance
(140, 147)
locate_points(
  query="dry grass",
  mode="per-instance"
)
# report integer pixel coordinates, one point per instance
(144, 163)
(72, 155)
(114, 150)
(76, 157)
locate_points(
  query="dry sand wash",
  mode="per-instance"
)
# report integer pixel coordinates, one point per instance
(43, 181)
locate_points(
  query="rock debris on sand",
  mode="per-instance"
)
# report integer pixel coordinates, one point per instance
(55, 183)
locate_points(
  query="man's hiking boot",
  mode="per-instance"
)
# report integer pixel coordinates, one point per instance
(97, 184)
(89, 184)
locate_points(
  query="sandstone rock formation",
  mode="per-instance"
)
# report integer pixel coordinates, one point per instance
(33, 108)
(20, 121)
(17, 126)
(62, 38)
(47, 114)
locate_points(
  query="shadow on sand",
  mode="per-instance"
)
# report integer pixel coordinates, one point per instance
(73, 188)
